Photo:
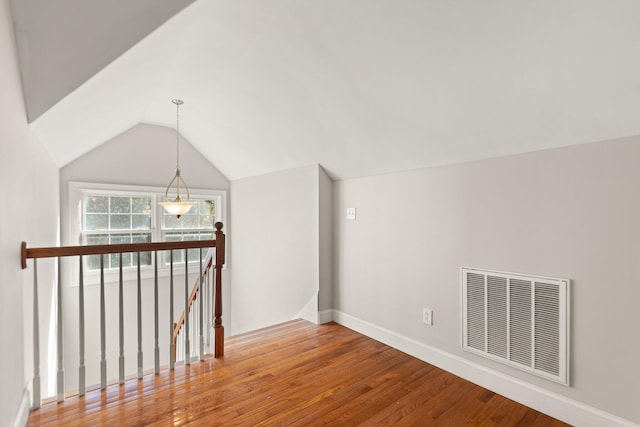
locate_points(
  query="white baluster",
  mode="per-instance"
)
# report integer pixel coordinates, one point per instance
(200, 296)
(209, 310)
(103, 343)
(81, 369)
(194, 325)
(139, 319)
(121, 322)
(180, 350)
(60, 381)
(36, 338)
(172, 347)
(156, 349)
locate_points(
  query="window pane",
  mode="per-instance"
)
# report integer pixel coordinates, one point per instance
(120, 222)
(93, 262)
(190, 236)
(145, 257)
(120, 204)
(126, 260)
(207, 213)
(194, 255)
(97, 239)
(165, 257)
(207, 207)
(114, 260)
(189, 221)
(117, 239)
(141, 238)
(173, 237)
(141, 222)
(96, 222)
(177, 255)
(194, 208)
(96, 204)
(206, 221)
(141, 205)
(171, 222)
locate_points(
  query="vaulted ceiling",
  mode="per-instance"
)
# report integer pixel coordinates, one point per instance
(361, 87)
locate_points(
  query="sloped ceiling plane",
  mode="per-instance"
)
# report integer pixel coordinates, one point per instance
(360, 87)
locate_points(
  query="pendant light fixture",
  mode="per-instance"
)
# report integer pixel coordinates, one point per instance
(177, 207)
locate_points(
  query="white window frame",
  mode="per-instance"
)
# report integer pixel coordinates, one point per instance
(77, 191)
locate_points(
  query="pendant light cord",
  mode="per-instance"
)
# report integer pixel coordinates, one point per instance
(177, 135)
(177, 207)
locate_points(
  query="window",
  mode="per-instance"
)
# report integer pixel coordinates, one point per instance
(115, 219)
(115, 214)
(197, 224)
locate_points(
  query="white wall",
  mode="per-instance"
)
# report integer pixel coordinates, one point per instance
(325, 213)
(30, 187)
(571, 213)
(144, 155)
(277, 247)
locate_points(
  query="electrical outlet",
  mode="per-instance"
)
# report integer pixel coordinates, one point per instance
(351, 213)
(427, 316)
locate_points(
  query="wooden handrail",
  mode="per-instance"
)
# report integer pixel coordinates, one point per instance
(207, 264)
(60, 251)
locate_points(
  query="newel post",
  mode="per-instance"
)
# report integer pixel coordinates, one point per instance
(217, 310)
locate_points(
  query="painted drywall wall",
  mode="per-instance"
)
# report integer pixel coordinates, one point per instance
(145, 156)
(275, 253)
(325, 235)
(570, 213)
(30, 181)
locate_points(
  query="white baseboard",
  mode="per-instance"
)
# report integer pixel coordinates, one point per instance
(22, 415)
(550, 403)
(325, 316)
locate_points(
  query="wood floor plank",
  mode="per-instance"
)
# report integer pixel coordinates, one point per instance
(291, 379)
(253, 367)
(295, 374)
(336, 402)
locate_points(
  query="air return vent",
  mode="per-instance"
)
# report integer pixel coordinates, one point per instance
(519, 320)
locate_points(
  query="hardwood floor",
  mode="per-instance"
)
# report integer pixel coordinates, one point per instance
(296, 374)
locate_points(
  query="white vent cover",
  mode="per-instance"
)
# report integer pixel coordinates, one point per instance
(519, 320)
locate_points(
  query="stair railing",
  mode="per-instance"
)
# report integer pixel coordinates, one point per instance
(69, 251)
(182, 351)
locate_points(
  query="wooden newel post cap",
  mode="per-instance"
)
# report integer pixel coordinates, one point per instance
(218, 226)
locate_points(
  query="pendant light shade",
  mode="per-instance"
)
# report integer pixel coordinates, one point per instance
(177, 207)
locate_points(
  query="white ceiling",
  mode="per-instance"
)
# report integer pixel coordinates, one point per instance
(365, 87)
(63, 43)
